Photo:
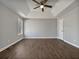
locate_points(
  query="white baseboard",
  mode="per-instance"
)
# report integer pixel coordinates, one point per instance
(40, 37)
(71, 43)
(60, 38)
(1, 49)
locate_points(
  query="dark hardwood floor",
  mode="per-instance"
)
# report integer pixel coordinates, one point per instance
(40, 49)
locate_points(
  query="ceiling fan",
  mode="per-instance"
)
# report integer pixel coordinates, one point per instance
(42, 4)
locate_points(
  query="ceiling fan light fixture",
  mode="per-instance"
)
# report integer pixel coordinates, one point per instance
(42, 6)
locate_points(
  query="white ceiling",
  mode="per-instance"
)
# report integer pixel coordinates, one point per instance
(32, 4)
(25, 7)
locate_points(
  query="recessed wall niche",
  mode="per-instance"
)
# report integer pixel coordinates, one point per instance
(40, 27)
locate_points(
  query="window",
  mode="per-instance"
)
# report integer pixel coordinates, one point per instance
(20, 26)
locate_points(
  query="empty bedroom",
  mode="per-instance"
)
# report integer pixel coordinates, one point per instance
(39, 29)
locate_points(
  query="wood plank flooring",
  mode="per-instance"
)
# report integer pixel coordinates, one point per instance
(40, 49)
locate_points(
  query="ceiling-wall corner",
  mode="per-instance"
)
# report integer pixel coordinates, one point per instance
(16, 6)
(69, 8)
(61, 6)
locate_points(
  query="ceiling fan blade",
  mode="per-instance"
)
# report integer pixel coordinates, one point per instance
(44, 1)
(42, 9)
(48, 6)
(36, 1)
(36, 7)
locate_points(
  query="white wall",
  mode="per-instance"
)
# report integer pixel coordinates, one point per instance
(60, 28)
(71, 26)
(8, 27)
(40, 27)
